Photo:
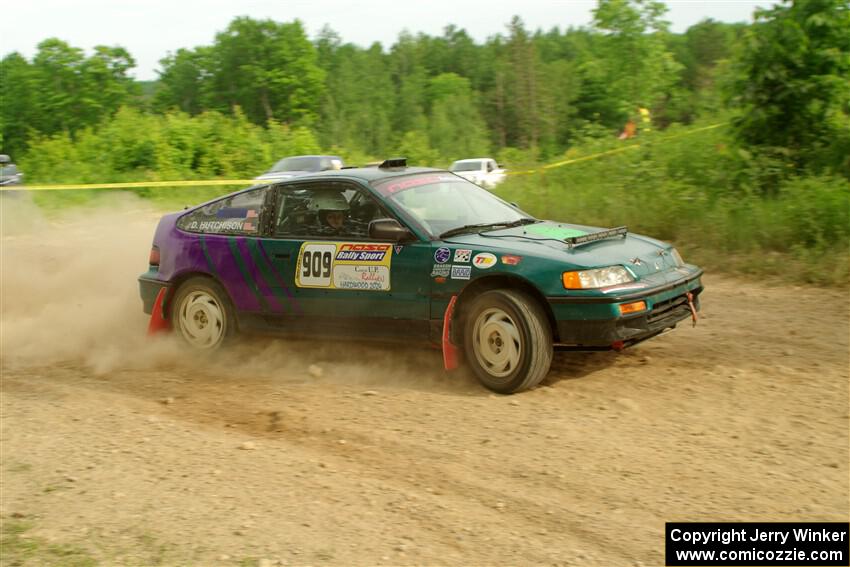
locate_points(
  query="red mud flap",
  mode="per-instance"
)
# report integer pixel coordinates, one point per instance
(158, 323)
(451, 356)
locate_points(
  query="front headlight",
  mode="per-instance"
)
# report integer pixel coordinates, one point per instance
(677, 257)
(600, 277)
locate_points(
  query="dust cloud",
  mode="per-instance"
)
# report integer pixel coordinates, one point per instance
(69, 295)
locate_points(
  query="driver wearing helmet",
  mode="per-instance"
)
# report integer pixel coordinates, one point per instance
(332, 210)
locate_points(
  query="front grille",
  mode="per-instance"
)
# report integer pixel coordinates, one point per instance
(672, 309)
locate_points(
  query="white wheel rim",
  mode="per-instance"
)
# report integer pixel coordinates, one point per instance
(497, 342)
(201, 319)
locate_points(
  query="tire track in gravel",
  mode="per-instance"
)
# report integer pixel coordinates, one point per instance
(249, 410)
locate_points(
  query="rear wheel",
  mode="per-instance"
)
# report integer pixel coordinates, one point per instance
(203, 314)
(507, 340)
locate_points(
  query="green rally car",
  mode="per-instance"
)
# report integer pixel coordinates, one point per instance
(416, 255)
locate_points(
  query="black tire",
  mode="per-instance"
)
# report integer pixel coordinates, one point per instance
(202, 313)
(507, 341)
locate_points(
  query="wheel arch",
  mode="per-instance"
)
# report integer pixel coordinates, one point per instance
(498, 281)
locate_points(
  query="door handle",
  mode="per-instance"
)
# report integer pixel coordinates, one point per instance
(283, 255)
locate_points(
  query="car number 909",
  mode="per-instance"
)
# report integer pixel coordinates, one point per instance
(316, 264)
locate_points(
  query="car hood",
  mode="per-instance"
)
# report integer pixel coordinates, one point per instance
(642, 255)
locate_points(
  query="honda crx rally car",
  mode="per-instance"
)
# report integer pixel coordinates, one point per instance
(412, 254)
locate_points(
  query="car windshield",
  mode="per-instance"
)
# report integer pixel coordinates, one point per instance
(298, 164)
(466, 166)
(441, 202)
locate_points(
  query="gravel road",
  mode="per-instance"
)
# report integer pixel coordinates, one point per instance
(121, 450)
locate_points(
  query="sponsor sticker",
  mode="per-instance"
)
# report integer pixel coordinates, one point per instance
(511, 260)
(234, 213)
(552, 231)
(442, 255)
(232, 224)
(484, 260)
(362, 277)
(461, 272)
(462, 256)
(398, 248)
(344, 265)
(231, 213)
(441, 270)
(356, 252)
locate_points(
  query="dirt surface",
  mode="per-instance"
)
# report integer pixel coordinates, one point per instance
(120, 450)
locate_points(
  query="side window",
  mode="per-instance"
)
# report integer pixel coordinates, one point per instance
(328, 210)
(238, 214)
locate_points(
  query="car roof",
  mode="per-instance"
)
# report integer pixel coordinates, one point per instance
(368, 174)
(313, 155)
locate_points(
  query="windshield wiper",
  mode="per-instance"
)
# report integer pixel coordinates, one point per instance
(490, 225)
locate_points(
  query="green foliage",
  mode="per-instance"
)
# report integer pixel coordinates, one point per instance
(268, 69)
(181, 83)
(16, 108)
(632, 62)
(175, 146)
(770, 199)
(61, 90)
(455, 128)
(20, 548)
(791, 86)
(415, 147)
(682, 187)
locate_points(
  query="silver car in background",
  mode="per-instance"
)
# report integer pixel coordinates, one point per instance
(9, 174)
(300, 165)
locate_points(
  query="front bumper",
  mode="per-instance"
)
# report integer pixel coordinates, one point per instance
(666, 306)
(148, 290)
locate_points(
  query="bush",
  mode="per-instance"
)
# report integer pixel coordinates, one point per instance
(692, 190)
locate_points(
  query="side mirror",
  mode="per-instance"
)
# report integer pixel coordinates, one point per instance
(389, 229)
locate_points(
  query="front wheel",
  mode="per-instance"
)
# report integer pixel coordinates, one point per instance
(203, 314)
(508, 341)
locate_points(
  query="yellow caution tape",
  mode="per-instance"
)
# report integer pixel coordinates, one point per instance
(133, 185)
(609, 152)
(215, 182)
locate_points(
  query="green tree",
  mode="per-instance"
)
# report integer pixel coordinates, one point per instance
(58, 82)
(528, 123)
(358, 109)
(62, 90)
(268, 69)
(630, 58)
(415, 147)
(184, 80)
(16, 109)
(455, 127)
(410, 78)
(791, 85)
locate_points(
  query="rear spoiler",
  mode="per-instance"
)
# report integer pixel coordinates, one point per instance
(619, 232)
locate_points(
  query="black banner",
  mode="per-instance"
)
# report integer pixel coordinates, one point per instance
(757, 543)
